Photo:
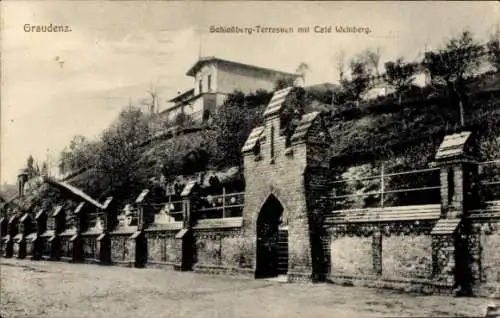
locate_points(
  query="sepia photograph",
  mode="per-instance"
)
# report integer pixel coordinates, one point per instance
(254, 159)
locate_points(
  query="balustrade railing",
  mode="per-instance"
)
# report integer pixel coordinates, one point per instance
(171, 208)
(489, 184)
(413, 187)
(224, 205)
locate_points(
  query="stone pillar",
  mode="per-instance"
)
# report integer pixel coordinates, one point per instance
(24, 229)
(137, 243)
(450, 236)
(104, 248)
(12, 231)
(81, 219)
(41, 227)
(104, 241)
(184, 240)
(60, 224)
(377, 251)
(3, 235)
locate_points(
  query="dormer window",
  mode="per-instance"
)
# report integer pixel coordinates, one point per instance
(209, 83)
(200, 86)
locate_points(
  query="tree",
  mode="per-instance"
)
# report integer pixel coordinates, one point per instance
(283, 82)
(302, 71)
(360, 78)
(292, 110)
(233, 123)
(80, 154)
(453, 65)
(494, 50)
(119, 154)
(30, 167)
(340, 65)
(372, 59)
(45, 169)
(400, 75)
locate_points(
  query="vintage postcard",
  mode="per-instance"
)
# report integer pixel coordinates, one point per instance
(250, 159)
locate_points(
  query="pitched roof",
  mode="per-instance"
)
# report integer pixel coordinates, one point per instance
(79, 207)
(75, 191)
(188, 188)
(252, 139)
(183, 95)
(24, 217)
(39, 214)
(57, 210)
(303, 127)
(277, 102)
(142, 195)
(106, 203)
(210, 59)
(453, 145)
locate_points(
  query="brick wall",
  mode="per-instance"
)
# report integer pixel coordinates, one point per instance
(443, 249)
(45, 244)
(66, 246)
(408, 256)
(90, 247)
(351, 256)
(490, 257)
(161, 246)
(218, 247)
(119, 247)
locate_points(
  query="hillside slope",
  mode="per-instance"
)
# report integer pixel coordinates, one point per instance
(402, 137)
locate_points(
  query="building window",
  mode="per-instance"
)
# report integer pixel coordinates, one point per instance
(200, 86)
(209, 83)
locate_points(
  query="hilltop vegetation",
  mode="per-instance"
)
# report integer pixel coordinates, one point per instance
(402, 129)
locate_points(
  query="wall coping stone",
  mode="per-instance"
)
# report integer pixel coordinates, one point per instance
(395, 213)
(124, 230)
(164, 227)
(219, 223)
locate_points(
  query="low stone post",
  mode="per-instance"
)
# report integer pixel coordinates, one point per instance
(41, 227)
(3, 235)
(103, 240)
(11, 233)
(81, 218)
(377, 251)
(24, 229)
(59, 219)
(184, 240)
(137, 243)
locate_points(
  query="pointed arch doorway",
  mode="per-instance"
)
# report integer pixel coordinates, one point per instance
(272, 240)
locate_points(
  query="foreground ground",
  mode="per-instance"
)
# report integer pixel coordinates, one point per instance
(56, 289)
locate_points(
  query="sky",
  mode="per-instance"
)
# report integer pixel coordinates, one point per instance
(57, 85)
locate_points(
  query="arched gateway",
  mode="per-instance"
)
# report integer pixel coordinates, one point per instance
(272, 240)
(286, 178)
